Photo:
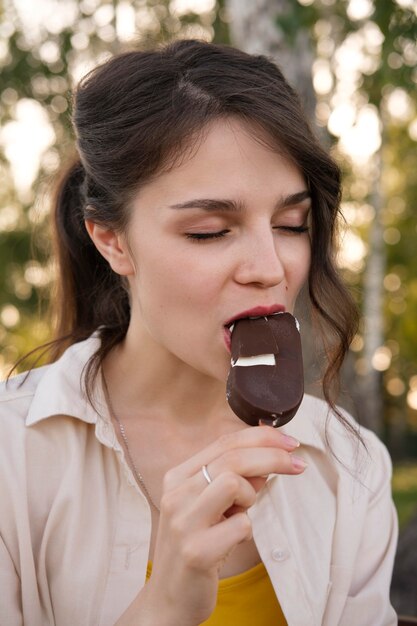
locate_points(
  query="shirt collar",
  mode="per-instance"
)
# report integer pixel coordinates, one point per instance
(60, 390)
(308, 424)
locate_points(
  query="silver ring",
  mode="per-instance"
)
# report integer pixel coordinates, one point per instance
(206, 474)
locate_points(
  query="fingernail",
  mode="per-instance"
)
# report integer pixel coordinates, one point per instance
(298, 463)
(290, 441)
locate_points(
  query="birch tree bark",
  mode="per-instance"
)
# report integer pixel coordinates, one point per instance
(254, 27)
(373, 295)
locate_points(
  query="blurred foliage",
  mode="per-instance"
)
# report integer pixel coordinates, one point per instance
(404, 488)
(46, 46)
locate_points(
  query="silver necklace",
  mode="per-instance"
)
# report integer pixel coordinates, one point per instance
(138, 476)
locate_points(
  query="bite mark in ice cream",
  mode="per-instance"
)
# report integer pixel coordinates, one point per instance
(249, 361)
(266, 382)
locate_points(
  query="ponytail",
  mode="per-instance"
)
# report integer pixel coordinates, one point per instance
(89, 295)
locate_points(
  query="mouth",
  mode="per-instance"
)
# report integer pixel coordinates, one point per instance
(254, 313)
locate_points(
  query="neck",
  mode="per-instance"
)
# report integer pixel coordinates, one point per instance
(143, 380)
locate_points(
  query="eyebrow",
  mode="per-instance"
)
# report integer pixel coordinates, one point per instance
(219, 204)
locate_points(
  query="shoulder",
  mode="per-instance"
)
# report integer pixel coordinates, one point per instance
(47, 427)
(41, 410)
(19, 443)
(16, 458)
(57, 389)
(16, 396)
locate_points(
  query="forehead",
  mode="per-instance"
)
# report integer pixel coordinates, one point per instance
(229, 158)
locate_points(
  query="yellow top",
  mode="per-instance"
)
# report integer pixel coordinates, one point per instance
(245, 599)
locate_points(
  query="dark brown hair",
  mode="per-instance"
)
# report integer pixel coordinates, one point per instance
(139, 113)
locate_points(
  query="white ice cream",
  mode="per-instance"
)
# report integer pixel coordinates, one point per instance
(259, 359)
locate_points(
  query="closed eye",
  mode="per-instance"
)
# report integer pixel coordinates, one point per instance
(293, 229)
(206, 236)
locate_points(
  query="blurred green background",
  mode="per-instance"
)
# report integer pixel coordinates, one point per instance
(354, 63)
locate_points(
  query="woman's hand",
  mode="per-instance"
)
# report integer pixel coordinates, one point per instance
(201, 523)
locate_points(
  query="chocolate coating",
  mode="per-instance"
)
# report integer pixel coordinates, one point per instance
(267, 393)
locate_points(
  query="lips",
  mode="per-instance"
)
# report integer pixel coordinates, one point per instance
(258, 311)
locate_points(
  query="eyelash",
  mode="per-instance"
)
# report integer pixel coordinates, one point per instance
(293, 229)
(207, 236)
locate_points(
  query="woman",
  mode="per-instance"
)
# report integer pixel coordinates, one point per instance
(200, 196)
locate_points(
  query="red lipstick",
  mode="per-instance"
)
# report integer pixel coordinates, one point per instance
(257, 311)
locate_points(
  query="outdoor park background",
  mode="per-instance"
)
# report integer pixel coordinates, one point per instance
(354, 63)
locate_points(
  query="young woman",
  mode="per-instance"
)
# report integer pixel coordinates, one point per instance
(131, 493)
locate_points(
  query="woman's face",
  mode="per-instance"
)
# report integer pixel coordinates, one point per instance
(220, 236)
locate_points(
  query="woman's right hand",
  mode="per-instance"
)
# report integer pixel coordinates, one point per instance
(200, 523)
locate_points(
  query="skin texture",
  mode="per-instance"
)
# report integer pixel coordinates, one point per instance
(167, 380)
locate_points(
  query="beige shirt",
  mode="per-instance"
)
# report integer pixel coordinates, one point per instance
(75, 527)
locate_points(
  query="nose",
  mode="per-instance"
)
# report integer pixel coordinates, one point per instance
(260, 261)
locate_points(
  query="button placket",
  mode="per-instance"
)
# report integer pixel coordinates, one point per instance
(280, 554)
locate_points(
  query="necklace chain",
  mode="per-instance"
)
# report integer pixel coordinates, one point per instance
(136, 472)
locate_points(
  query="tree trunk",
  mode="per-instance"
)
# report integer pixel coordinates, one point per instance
(254, 27)
(371, 414)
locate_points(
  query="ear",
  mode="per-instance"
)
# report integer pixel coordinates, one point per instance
(112, 246)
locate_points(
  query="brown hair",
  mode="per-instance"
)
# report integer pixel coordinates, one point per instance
(139, 113)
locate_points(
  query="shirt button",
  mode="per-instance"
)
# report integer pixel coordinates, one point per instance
(280, 555)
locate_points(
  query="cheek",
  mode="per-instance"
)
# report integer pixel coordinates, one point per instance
(298, 268)
(177, 281)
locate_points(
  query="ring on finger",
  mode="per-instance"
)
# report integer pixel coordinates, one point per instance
(206, 474)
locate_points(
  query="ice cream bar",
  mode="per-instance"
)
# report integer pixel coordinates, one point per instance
(266, 380)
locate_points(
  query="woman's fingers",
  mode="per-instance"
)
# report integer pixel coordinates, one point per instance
(247, 467)
(210, 547)
(230, 490)
(257, 482)
(256, 462)
(237, 466)
(226, 490)
(256, 437)
(203, 505)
